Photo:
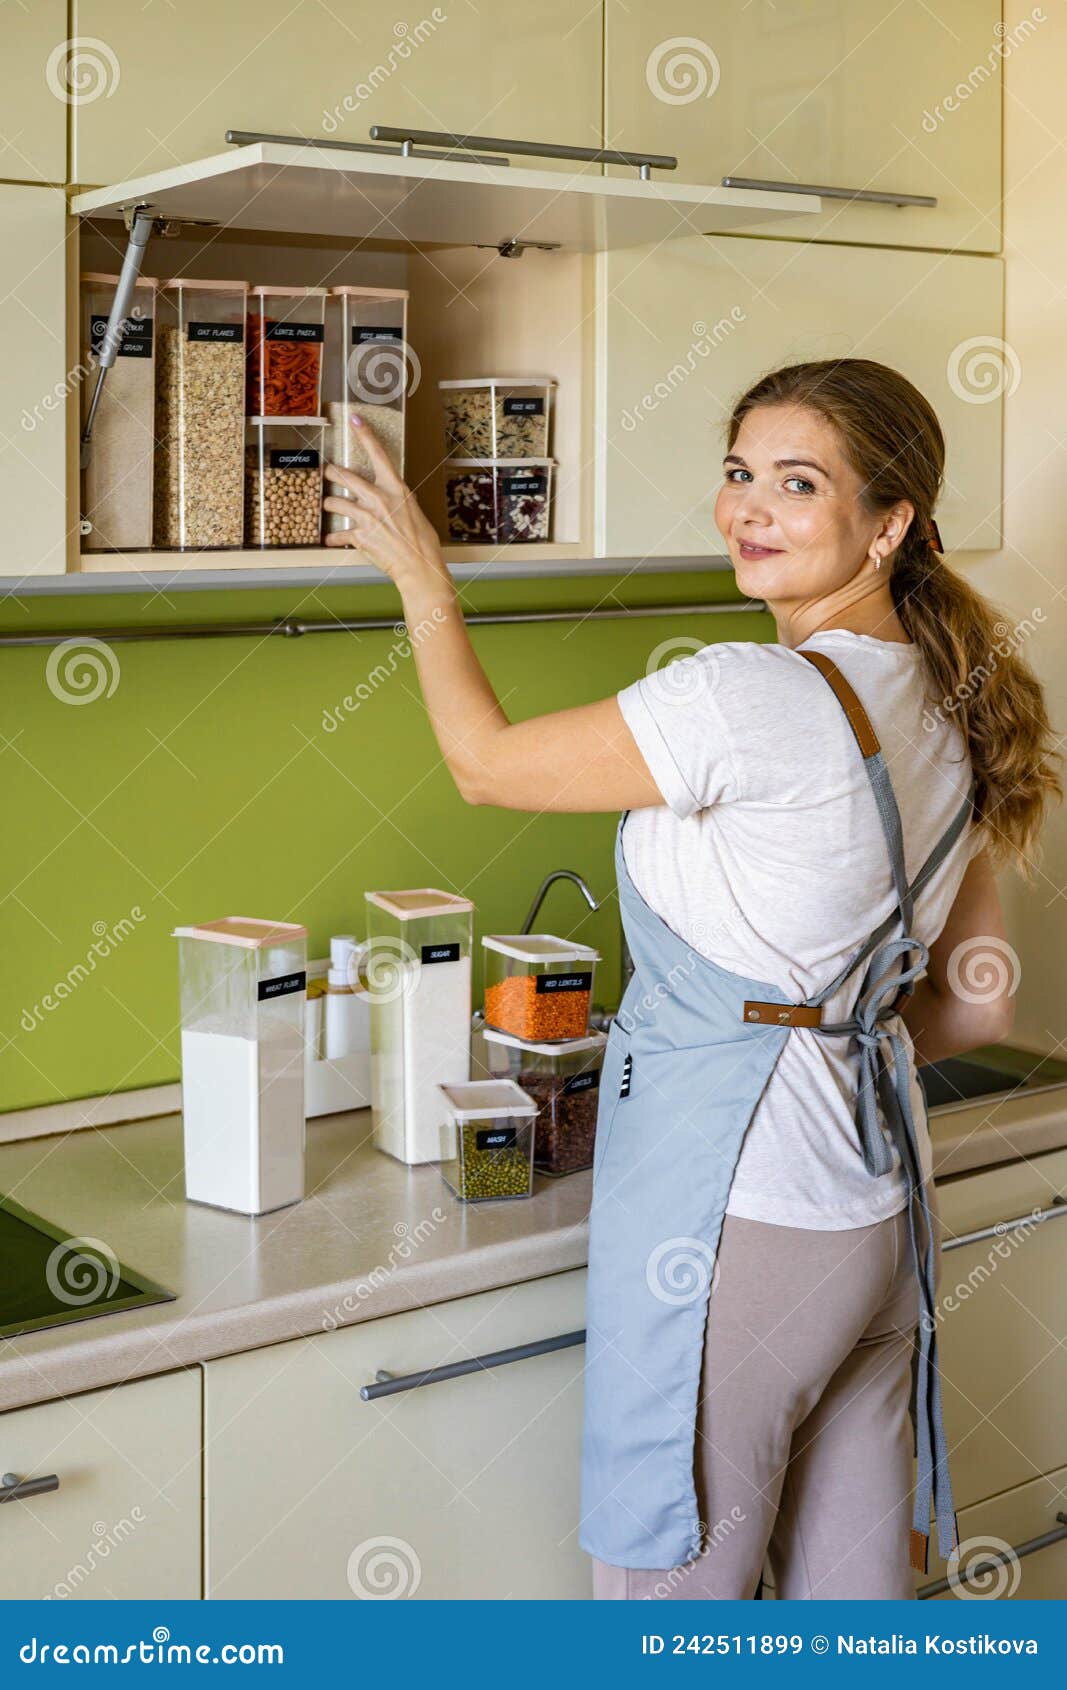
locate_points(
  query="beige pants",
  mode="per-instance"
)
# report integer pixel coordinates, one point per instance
(804, 1448)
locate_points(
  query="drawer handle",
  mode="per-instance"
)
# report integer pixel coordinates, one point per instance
(988, 1562)
(388, 1384)
(1059, 1207)
(869, 195)
(14, 1489)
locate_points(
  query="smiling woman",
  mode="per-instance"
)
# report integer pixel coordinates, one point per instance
(795, 931)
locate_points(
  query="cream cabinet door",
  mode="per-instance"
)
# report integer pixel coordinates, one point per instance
(458, 1489)
(1000, 1527)
(893, 96)
(191, 71)
(38, 383)
(685, 327)
(125, 1519)
(1002, 1304)
(37, 83)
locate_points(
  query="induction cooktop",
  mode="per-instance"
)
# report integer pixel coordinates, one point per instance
(48, 1278)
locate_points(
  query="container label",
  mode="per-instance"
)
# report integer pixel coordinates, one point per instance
(216, 331)
(440, 953)
(293, 457)
(295, 331)
(531, 485)
(282, 985)
(136, 341)
(524, 407)
(365, 335)
(496, 1138)
(582, 1082)
(564, 982)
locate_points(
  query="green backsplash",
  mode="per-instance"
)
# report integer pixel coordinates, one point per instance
(205, 785)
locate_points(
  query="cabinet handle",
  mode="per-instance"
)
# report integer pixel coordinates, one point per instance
(388, 1384)
(1059, 1207)
(14, 1489)
(1017, 1551)
(409, 138)
(869, 195)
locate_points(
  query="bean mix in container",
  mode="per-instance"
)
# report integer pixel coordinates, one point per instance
(498, 501)
(538, 987)
(199, 415)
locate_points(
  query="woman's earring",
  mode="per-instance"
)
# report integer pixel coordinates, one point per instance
(877, 556)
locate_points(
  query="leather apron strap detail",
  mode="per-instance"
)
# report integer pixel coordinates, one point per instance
(858, 719)
(782, 1015)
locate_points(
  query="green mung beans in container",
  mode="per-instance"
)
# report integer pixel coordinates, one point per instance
(489, 1138)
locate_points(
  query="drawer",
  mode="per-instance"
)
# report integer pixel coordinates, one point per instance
(125, 1519)
(1002, 1302)
(1001, 1526)
(463, 1488)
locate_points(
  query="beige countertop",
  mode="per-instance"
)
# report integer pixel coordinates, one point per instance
(372, 1238)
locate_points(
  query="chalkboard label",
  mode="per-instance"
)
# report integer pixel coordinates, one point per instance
(136, 339)
(582, 1082)
(233, 332)
(295, 331)
(365, 336)
(295, 457)
(282, 985)
(532, 486)
(524, 407)
(496, 1138)
(441, 953)
(564, 983)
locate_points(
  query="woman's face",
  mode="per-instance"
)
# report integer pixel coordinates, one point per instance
(789, 507)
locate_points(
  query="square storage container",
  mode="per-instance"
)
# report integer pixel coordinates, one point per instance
(283, 483)
(417, 974)
(498, 416)
(286, 329)
(200, 415)
(564, 1082)
(490, 1124)
(538, 987)
(366, 375)
(498, 502)
(243, 983)
(117, 481)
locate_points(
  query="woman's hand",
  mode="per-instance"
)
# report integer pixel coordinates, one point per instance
(387, 525)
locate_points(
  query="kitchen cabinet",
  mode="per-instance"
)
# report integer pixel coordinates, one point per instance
(39, 382)
(461, 1488)
(531, 73)
(1003, 1308)
(34, 85)
(891, 96)
(1001, 1525)
(686, 326)
(125, 1519)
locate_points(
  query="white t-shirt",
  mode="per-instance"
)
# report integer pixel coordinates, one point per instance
(769, 858)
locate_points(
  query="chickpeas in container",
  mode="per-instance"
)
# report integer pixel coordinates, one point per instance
(538, 986)
(283, 483)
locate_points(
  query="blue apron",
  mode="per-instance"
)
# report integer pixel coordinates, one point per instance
(687, 1059)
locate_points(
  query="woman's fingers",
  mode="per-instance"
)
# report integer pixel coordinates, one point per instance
(357, 484)
(341, 506)
(345, 537)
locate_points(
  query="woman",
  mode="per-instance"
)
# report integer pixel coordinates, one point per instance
(807, 848)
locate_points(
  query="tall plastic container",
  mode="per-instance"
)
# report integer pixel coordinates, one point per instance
(200, 415)
(117, 481)
(366, 375)
(283, 483)
(417, 973)
(243, 984)
(286, 330)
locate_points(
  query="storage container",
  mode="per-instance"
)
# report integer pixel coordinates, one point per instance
(200, 415)
(286, 328)
(417, 973)
(283, 483)
(490, 1123)
(498, 502)
(498, 416)
(117, 481)
(366, 375)
(243, 984)
(537, 986)
(564, 1081)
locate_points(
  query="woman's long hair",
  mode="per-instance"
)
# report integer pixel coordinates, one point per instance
(976, 674)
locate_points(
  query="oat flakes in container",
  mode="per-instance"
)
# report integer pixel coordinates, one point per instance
(200, 415)
(537, 986)
(117, 482)
(283, 482)
(283, 365)
(366, 375)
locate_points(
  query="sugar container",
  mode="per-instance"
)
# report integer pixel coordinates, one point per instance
(564, 1081)
(243, 983)
(490, 1130)
(538, 987)
(417, 975)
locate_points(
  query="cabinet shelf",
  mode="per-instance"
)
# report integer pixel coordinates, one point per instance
(298, 191)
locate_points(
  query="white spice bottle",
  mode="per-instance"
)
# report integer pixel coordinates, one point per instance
(418, 977)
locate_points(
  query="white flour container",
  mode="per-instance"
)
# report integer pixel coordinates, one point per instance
(243, 987)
